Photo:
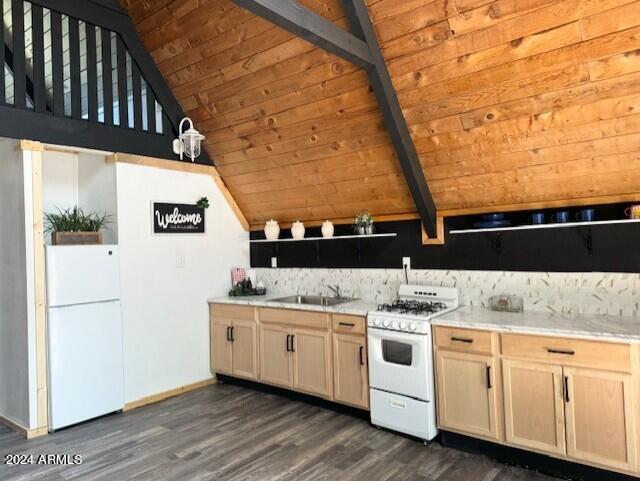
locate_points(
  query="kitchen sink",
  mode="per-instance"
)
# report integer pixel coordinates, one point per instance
(313, 300)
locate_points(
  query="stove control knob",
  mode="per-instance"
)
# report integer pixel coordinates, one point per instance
(403, 325)
(412, 326)
(376, 322)
(394, 325)
(385, 323)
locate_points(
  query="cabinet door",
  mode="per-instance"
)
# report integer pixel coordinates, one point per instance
(600, 417)
(350, 377)
(534, 406)
(312, 364)
(220, 347)
(275, 359)
(245, 349)
(467, 399)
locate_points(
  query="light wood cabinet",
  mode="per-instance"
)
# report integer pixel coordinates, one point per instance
(467, 393)
(293, 349)
(533, 405)
(244, 349)
(600, 417)
(221, 347)
(312, 361)
(234, 341)
(351, 378)
(582, 407)
(276, 365)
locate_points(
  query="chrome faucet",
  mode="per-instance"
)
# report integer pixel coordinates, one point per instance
(336, 290)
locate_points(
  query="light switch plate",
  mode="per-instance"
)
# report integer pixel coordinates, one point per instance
(406, 263)
(180, 261)
(274, 262)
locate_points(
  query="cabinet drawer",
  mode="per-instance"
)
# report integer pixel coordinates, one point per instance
(571, 352)
(232, 311)
(349, 324)
(464, 340)
(292, 317)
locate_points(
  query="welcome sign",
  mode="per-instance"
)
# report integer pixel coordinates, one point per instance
(172, 218)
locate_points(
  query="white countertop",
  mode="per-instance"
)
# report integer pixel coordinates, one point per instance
(583, 326)
(356, 308)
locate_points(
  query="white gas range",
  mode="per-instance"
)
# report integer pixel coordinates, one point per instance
(401, 373)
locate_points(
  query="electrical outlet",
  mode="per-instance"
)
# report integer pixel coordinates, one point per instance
(274, 262)
(406, 263)
(180, 261)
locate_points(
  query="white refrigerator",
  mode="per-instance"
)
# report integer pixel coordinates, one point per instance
(84, 333)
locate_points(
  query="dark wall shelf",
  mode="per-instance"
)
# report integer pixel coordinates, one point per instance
(601, 246)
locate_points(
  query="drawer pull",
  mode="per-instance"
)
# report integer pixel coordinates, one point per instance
(466, 340)
(566, 352)
(398, 404)
(347, 324)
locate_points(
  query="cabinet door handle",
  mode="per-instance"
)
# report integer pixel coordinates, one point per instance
(287, 343)
(466, 340)
(229, 333)
(566, 352)
(566, 389)
(233, 334)
(489, 385)
(293, 347)
(361, 355)
(347, 324)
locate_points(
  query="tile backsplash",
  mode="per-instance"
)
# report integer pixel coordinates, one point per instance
(571, 293)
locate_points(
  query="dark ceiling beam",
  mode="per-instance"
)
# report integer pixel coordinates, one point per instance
(361, 26)
(50, 129)
(314, 28)
(107, 14)
(361, 48)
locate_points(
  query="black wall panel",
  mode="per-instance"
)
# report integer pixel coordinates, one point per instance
(614, 248)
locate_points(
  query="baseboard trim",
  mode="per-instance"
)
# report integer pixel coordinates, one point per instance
(161, 396)
(26, 432)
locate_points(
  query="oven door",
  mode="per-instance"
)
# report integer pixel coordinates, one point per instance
(400, 363)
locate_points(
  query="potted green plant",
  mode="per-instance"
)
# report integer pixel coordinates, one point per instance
(363, 225)
(74, 226)
(203, 203)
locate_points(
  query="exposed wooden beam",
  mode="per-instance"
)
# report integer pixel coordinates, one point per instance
(361, 26)
(362, 49)
(314, 28)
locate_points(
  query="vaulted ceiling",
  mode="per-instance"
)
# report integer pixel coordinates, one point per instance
(511, 103)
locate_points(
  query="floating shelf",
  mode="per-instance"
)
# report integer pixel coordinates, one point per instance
(558, 225)
(339, 237)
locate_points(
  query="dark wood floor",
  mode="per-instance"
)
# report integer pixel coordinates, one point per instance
(226, 432)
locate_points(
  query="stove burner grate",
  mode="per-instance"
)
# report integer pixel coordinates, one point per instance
(412, 307)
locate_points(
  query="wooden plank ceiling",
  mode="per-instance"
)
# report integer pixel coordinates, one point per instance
(510, 103)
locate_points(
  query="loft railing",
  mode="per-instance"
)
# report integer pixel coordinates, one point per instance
(80, 79)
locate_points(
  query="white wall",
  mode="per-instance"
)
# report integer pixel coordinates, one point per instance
(97, 191)
(81, 179)
(59, 181)
(14, 352)
(165, 313)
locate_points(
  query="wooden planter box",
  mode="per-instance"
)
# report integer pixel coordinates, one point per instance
(76, 238)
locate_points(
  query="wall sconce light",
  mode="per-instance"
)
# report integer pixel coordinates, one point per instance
(188, 142)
